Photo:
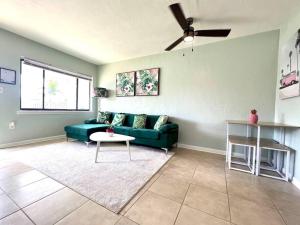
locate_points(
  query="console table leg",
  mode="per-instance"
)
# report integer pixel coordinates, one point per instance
(287, 166)
(258, 152)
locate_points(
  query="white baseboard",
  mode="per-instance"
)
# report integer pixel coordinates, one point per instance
(202, 149)
(31, 141)
(296, 182)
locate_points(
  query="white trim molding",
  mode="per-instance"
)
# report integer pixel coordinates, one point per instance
(202, 149)
(296, 182)
(31, 141)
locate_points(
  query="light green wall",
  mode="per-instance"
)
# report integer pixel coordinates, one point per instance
(288, 110)
(218, 81)
(12, 47)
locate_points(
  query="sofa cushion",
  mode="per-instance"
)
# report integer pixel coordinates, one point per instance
(103, 117)
(122, 130)
(162, 120)
(151, 120)
(118, 119)
(144, 133)
(139, 121)
(128, 122)
(85, 129)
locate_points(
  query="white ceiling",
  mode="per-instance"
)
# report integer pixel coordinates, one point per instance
(103, 31)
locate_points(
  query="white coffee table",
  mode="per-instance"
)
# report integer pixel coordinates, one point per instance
(105, 137)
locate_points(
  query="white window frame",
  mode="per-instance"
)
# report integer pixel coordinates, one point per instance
(44, 110)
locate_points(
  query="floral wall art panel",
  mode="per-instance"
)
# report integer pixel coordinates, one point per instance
(147, 82)
(125, 84)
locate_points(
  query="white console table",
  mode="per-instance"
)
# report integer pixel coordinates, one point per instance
(259, 126)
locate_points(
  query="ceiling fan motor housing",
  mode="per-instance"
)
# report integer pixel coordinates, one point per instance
(189, 32)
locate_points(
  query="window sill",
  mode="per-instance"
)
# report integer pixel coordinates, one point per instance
(41, 112)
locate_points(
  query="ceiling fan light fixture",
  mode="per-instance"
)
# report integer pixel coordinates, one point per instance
(188, 39)
(188, 31)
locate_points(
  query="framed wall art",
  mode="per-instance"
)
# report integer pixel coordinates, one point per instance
(147, 82)
(125, 83)
(289, 68)
(7, 76)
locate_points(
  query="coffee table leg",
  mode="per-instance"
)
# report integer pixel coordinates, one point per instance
(128, 147)
(98, 148)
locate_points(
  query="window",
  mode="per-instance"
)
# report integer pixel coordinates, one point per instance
(45, 87)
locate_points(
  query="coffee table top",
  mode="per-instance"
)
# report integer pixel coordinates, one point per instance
(103, 136)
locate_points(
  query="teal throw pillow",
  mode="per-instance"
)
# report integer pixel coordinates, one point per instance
(103, 117)
(139, 121)
(118, 119)
(161, 121)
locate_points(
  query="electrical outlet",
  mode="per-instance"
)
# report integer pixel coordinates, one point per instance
(12, 125)
(1, 90)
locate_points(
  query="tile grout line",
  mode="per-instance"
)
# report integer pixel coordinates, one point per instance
(7, 194)
(273, 207)
(28, 216)
(207, 213)
(73, 210)
(184, 198)
(41, 198)
(276, 208)
(205, 187)
(24, 185)
(65, 186)
(20, 209)
(140, 196)
(3, 192)
(204, 211)
(181, 205)
(121, 217)
(158, 172)
(189, 205)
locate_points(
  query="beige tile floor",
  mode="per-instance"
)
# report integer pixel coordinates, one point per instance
(193, 188)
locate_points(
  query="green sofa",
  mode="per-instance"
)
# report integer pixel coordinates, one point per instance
(164, 138)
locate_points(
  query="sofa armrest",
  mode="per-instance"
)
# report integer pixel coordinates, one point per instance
(167, 128)
(90, 121)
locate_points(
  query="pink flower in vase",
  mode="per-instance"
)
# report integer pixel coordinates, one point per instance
(253, 117)
(110, 131)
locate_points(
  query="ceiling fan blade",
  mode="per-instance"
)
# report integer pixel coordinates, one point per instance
(173, 45)
(179, 15)
(213, 33)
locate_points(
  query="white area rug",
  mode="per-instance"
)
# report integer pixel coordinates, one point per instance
(112, 182)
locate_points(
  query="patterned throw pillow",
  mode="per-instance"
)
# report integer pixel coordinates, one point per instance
(139, 121)
(161, 121)
(103, 117)
(118, 119)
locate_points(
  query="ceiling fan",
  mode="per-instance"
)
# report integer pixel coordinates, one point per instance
(188, 31)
